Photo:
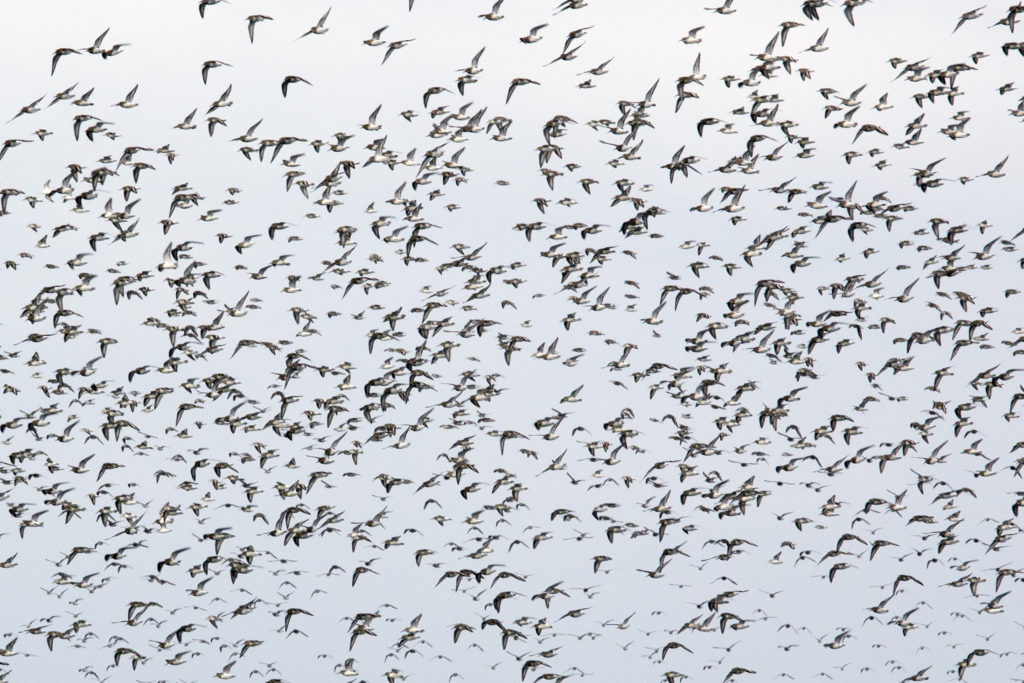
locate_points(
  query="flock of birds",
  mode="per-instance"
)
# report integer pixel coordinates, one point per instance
(480, 386)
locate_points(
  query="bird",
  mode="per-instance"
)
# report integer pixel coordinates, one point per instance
(516, 82)
(968, 16)
(203, 4)
(691, 38)
(493, 14)
(317, 29)
(288, 80)
(95, 48)
(58, 53)
(211, 64)
(395, 45)
(533, 36)
(374, 40)
(251, 22)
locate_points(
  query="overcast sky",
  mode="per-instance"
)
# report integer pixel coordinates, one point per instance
(836, 352)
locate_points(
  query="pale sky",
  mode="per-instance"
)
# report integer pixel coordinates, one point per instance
(435, 263)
